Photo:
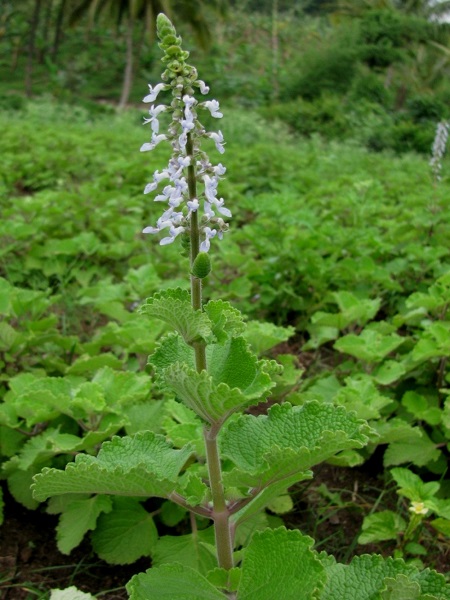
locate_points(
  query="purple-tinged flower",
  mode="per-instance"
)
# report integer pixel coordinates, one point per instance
(173, 231)
(209, 234)
(213, 107)
(204, 89)
(156, 139)
(218, 140)
(154, 91)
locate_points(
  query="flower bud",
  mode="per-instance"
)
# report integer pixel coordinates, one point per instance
(202, 265)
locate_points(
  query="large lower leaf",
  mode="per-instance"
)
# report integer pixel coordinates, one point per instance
(142, 465)
(288, 441)
(280, 564)
(369, 575)
(172, 582)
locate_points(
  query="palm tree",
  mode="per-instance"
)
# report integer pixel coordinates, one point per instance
(132, 12)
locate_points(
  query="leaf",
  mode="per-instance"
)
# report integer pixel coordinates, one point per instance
(415, 446)
(365, 577)
(79, 517)
(70, 593)
(412, 486)
(288, 440)
(172, 582)
(370, 345)
(400, 588)
(280, 564)
(226, 321)
(174, 307)
(86, 364)
(380, 526)
(124, 534)
(192, 550)
(264, 336)
(441, 525)
(389, 372)
(212, 403)
(141, 465)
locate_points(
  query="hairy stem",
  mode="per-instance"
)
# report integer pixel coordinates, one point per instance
(221, 514)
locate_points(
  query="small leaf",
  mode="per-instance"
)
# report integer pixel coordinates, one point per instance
(79, 517)
(264, 336)
(226, 320)
(124, 534)
(400, 588)
(174, 307)
(172, 582)
(70, 593)
(370, 345)
(192, 550)
(380, 526)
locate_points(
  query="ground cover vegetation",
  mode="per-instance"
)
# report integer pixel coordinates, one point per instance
(338, 258)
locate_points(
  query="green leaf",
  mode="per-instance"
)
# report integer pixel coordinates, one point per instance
(380, 526)
(172, 582)
(141, 465)
(280, 564)
(389, 372)
(174, 307)
(70, 593)
(288, 440)
(441, 525)
(400, 588)
(86, 364)
(362, 396)
(414, 446)
(412, 486)
(79, 517)
(419, 406)
(212, 403)
(124, 534)
(226, 321)
(19, 485)
(370, 345)
(195, 550)
(264, 336)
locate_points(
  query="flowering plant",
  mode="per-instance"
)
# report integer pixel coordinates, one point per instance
(230, 464)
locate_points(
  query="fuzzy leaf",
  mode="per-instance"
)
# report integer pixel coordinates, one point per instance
(400, 588)
(172, 582)
(70, 593)
(365, 578)
(79, 517)
(141, 465)
(124, 534)
(380, 526)
(226, 320)
(287, 441)
(174, 307)
(212, 403)
(264, 336)
(280, 564)
(192, 550)
(370, 345)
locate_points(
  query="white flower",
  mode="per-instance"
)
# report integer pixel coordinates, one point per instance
(438, 150)
(173, 231)
(221, 208)
(219, 169)
(218, 140)
(418, 508)
(204, 89)
(213, 107)
(154, 91)
(209, 233)
(193, 206)
(156, 139)
(154, 112)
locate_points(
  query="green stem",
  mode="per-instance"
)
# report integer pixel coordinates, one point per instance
(221, 514)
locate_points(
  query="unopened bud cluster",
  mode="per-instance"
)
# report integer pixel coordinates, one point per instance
(185, 134)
